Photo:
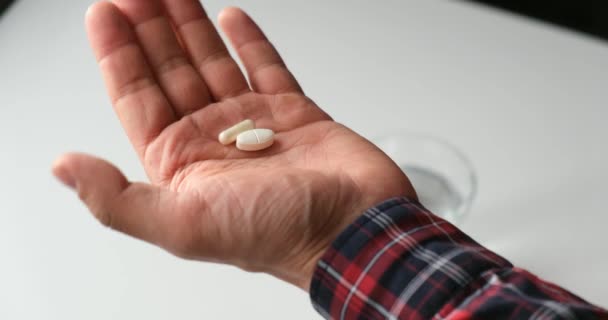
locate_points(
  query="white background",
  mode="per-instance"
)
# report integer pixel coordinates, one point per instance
(525, 101)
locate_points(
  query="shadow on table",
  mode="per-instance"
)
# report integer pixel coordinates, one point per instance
(4, 5)
(588, 16)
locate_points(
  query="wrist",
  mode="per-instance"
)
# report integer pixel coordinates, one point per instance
(330, 215)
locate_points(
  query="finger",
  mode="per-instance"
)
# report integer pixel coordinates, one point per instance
(267, 71)
(138, 100)
(181, 83)
(206, 49)
(141, 210)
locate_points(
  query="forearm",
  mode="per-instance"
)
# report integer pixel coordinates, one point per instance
(400, 261)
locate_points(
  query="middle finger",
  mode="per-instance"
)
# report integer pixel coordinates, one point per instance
(206, 49)
(179, 80)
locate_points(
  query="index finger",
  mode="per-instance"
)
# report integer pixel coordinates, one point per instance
(139, 102)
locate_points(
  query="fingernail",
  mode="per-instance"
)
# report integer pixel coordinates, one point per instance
(65, 177)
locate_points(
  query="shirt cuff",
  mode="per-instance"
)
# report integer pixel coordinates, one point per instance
(391, 260)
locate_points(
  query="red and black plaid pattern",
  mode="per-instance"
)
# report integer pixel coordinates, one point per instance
(399, 261)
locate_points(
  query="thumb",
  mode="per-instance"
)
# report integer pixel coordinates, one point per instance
(141, 210)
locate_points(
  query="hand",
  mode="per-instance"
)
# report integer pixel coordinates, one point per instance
(174, 87)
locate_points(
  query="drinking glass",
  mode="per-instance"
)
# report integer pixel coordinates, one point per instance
(442, 175)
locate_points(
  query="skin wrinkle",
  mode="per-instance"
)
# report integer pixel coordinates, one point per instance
(309, 144)
(187, 92)
(280, 65)
(172, 149)
(341, 169)
(214, 56)
(150, 20)
(272, 105)
(146, 140)
(117, 48)
(308, 210)
(167, 172)
(246, 44)
(245, 107)
(158, 66)
(186, 158)
(297, 143)
(194, 157)
(103, 214)
(146, 119)
(196, 126)
(197, 237)
(172, 63)
(151, 141)
(234, 101)
(133, 87)
(157, 204)
(245, 217)
(236, 92)
(315, 245)
(265, 66)
(261, 44)
(224, 231)
(289, 183)
(215, 39)
(286, 87)
(204, 116)
(216, 53)
(107, 214)
(194, 216)
(298, 243)
(185, 24)
(204, 229)
(212, 168)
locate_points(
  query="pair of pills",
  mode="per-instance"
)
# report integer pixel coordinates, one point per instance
(247, 137)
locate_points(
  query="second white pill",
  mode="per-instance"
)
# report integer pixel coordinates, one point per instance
(255, 140)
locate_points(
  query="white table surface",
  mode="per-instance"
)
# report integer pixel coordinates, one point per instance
(526, 101)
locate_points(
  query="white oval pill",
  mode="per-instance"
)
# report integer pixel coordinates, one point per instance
(229, 135)
(255, 140)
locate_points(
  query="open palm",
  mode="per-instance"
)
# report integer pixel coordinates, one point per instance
(175, 87)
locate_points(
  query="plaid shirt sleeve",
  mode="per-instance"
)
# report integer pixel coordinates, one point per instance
(399, 261)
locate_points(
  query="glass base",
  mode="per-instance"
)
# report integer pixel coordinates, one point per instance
(443, 177)
(435, 192)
